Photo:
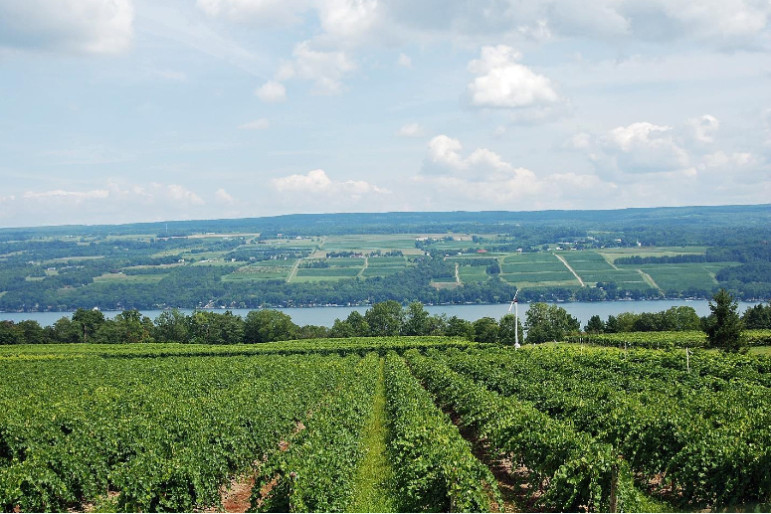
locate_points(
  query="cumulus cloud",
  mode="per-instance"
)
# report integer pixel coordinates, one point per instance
(271, 92)
(485, 179)
(503, 82)
(704, 128)
(347, 20)
(257, 12)
(317, 182)
(640, 147)
(224, 197)
(325, 68)
(259, 124)
(79, 26)
(690, 151)
(111, 202)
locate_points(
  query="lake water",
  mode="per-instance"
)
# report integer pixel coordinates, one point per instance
(326, 316)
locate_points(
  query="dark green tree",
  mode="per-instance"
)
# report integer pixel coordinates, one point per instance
(486, 330)
(88, 321)
(268, 325)
(594, 325)
(358, 324)
(385, 319)
(506, 332)
(723, 325)
(757, 317)
(549, 323)
(458, 327)
(171, 327)
(416, 320)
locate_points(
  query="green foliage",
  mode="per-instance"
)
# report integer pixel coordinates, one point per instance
(510, 330)
(435, 469)
(318, 470)
(758, 317)
(548, 323)
(268, 325)
(700, 421)
(385, 318)
(485, 330)
(724, 326)
(577, 469)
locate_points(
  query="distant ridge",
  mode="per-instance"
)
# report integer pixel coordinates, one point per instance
(404, 222)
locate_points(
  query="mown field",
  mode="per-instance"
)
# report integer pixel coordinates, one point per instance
(382, 424)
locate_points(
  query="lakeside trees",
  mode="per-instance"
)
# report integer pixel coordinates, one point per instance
(543, 323)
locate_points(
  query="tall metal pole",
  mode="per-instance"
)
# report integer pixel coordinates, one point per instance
(516, 322)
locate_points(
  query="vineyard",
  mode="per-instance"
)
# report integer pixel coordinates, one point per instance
(664, 339)
(386, 425)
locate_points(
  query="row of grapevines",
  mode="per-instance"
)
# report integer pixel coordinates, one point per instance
(164, 434)
(316, 473)
(664, 340)
(361, 345)
(712, 445)
(435, 470)
(579, 471)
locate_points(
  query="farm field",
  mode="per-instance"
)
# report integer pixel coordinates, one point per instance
(381, 424)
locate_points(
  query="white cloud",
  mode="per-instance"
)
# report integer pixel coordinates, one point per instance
(704, 128)
(678, 154)
(111, 202)
(80, 26)
(404, 60)
(645, 148)
(223, 196)
(259, 124)
(60, 194)
(271, 92)
(325, 68)
(502, 82)
(483, 179)
(317, 182)
(411, 130)
(257, 12)
(347, 20)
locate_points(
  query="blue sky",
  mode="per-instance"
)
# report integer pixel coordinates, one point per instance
(116, 111)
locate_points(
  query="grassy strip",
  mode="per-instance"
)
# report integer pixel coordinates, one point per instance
(373, 483)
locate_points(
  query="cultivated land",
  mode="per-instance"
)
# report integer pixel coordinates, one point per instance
(382, 424)
(358, 259)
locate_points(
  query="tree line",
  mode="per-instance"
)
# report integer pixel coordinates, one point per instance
(542, 323)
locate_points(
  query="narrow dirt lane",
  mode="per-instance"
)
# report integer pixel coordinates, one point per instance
(570, 269)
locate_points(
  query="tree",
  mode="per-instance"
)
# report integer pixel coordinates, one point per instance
(385, 318)
(594, 325)
(757, 317)
(88, 321)
(128, 327)
(358, 324)
(506, 330)
(486, 330)
(458, 327)
(268, 325)
(723, 325)
(611, 326)
(416, 320)
(66, 331)
(171, 327)
(549, 323)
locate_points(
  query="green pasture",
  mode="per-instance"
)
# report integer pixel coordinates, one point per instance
(685, 275)
(366, 243)
(651, 251)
